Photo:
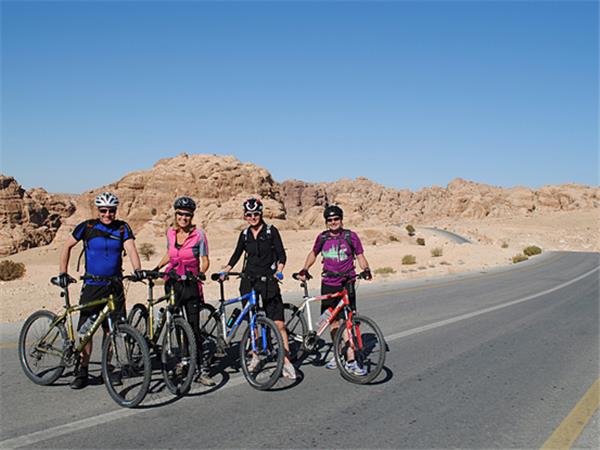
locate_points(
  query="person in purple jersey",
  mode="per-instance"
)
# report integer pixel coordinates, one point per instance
(338, 247)
(104, 240)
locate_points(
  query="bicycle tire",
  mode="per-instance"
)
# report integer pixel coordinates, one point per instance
(35, 328)
(369, 349)
(126, 366)
(270, 355)
(179, 358)
(297, 330)
(138, 318)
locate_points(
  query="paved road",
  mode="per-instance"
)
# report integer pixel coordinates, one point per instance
(450, 235)
(494, 360)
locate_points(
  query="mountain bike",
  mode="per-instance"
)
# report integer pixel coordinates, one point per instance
(261, 345)
(359, 338)
(177, 350)
(48, 345)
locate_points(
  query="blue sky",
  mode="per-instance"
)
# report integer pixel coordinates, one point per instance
(408, 94)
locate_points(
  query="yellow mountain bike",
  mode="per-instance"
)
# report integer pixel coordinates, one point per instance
(48, 344)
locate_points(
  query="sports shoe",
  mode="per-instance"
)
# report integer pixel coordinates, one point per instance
(289, 371)
(331, 364)
(254, 363)
(205, 379)
(81, 378)
(355, 369)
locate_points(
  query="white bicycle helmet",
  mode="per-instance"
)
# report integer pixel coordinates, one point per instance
(253, 205)
(106, 199)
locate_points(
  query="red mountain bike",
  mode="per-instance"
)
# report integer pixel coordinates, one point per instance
(359, 339)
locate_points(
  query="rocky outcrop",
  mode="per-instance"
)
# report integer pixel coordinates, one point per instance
(366, 202)
(219, 184)
(29, 218)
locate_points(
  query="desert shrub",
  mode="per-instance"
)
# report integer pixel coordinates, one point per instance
(394, 238)
(437, 251)
(153, 211)
(410, 229)
(10, 270)
(532, 250)
(409, 259)
(147, 250)
(445, 263)
(519, 258)
(504, 244)
(384, 270)
(420, 241)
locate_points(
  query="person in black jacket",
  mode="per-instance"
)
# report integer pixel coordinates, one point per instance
(264, 256)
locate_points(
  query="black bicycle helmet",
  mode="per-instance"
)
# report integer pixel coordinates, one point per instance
(185, 203)
(253, 205)
(333, 211)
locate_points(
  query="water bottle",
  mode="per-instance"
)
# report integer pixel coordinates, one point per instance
(324, 318)
(87, 325)
(234, 315)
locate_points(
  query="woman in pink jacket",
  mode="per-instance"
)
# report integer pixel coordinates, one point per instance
(187, 251)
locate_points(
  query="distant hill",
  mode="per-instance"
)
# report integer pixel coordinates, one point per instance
(219, 184)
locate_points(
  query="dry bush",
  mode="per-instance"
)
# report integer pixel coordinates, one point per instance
(519, 258)
(437, 251)
(420, 241)
(410, 229)
(409, 259)
(147, 250)
(504, 244)
(384, 270)
(532, 250)
(10, 270)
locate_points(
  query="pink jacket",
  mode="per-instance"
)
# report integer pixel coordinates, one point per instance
(187, 257)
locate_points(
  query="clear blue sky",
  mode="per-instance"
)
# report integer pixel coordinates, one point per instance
(408, 94)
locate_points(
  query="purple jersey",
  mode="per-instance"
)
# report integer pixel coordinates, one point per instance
(337, 254)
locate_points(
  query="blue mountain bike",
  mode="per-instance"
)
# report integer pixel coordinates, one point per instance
(261, 345)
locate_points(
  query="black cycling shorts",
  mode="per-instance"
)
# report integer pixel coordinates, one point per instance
(91, 292)
(270, 294)
(327, 289)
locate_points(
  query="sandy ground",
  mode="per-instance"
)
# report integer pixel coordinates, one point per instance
(494, 243)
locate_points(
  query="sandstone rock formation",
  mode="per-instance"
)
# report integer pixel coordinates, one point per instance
(368, 203)
(219, 184)
(29, 218)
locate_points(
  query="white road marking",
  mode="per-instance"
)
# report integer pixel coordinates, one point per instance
(442, 323)
(50, 433)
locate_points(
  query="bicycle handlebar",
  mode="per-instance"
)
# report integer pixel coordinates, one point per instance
(155, 274)
(226, 275)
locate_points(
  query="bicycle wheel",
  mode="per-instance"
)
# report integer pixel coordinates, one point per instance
(126, 367)
(178, 356)
(138, 319)
(41, 348)
(297, 329)
(262, 368)
(365, 345)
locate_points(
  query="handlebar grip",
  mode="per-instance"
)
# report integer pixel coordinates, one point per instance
(295, 275)
(215, 277)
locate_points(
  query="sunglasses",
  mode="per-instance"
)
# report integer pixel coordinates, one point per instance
(107, 210)
(255, 214)
(333, 219)
(184, 214)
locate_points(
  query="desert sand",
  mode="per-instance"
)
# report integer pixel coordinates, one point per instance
(493, 244)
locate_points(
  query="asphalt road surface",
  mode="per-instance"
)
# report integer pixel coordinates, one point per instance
(502, 359)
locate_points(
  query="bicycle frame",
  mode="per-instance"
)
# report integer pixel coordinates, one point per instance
(342, 304)
(154, 332)
(67, 317)
(249, 309)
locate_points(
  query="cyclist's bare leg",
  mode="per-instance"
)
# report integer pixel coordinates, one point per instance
(281, 326)
(334, 329)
